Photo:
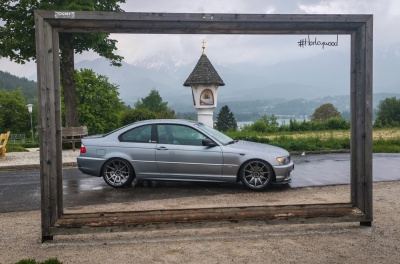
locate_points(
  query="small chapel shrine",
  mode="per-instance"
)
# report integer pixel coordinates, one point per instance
(204, 81)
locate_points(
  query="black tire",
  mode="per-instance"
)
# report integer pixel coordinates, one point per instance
(118, 173)
(256, 175)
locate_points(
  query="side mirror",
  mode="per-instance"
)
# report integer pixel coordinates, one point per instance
(208, 142)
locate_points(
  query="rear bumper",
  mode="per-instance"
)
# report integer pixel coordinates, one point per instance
(90, 166)
(282, 173)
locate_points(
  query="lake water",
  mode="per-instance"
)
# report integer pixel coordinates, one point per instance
(280, 121)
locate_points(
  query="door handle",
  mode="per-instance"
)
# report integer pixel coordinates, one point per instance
(162, 148)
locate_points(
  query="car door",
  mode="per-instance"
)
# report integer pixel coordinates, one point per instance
(181, 155)
(139, 145)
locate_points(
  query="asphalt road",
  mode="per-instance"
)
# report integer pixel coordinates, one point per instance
(20, 190)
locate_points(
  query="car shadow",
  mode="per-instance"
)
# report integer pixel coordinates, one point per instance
(88, 190)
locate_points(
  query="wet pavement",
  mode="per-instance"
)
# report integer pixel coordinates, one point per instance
(20, 190)
(333, 169)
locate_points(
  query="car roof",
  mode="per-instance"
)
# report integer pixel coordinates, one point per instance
(151, 122)
(167, 121)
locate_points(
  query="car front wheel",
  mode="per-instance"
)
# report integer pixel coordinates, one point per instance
(256, 175)
(118, 173)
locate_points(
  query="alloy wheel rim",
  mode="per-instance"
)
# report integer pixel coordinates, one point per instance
(256, 174)
(117, 173)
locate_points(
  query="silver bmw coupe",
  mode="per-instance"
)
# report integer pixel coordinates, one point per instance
(181, 150)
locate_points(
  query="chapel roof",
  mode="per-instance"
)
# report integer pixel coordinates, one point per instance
(204, 74)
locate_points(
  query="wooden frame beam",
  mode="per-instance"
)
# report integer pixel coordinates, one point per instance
(50, 23)
(207, 217)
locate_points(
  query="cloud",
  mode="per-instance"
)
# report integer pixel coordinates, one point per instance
(235, 49)
(394, 8)
(386, 15)
(331, 7)
(200, 6)
(224, 49)
(343, 7)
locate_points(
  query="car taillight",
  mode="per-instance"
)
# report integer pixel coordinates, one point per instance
(83, 149)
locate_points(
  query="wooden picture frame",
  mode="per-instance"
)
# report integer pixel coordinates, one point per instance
(50, 23)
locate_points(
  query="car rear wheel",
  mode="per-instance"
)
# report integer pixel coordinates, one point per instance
(256, 175)
(118, 173)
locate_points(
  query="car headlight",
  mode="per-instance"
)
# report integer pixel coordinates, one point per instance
(283, 160)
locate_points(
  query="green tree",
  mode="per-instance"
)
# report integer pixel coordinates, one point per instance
(154, 103)
(388, 113)
(99, 106)
(17, 40)
(325, 112)
(264, 124)
(271, 122)
(14, 115)
(257, 126)
(133, 115)
(28, 88)
(226, 120)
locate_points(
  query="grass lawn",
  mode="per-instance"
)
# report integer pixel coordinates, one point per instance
(384, 140)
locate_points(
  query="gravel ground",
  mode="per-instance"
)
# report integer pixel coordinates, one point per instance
(318, 243)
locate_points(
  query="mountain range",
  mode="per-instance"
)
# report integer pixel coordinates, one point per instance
(291, 88)
(317, 77)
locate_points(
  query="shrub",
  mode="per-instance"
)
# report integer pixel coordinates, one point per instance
(133, 115)
(32, 261)
(167, 114)
(386, 145)
(259, 126)
(337, 123)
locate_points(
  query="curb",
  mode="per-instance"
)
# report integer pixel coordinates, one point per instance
(316, 152)
(34, 166)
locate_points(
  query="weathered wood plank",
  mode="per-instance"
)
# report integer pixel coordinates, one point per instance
(50, 129)
(368, 177)
(41, 72)
(73, 134)
(50, 155)
(124, 221)
(58, 144)
(330, 206)
(176, 23)
(74, 131)
(58, 230)
(361, 119)
(201, 17)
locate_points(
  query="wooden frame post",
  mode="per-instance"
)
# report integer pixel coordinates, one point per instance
(49, 124)
(361, 119)
(50, 23)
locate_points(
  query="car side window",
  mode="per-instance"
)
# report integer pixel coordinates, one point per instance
(140, 134)
(179, 135)
(164, 134)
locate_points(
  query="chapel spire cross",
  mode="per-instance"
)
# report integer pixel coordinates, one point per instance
(204, 46)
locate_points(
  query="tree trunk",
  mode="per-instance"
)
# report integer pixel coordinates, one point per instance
(67, 80)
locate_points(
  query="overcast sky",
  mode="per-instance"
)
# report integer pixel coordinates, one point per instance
(234, 49)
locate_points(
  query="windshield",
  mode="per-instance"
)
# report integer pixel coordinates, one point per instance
(220, 137)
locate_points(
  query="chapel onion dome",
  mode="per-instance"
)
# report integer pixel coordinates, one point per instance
(204, 74)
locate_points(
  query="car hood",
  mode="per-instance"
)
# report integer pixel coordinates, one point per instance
(254, 146)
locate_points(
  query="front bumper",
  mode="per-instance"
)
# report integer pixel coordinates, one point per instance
(282, 173)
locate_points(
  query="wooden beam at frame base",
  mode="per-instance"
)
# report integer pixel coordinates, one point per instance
(205, 217)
